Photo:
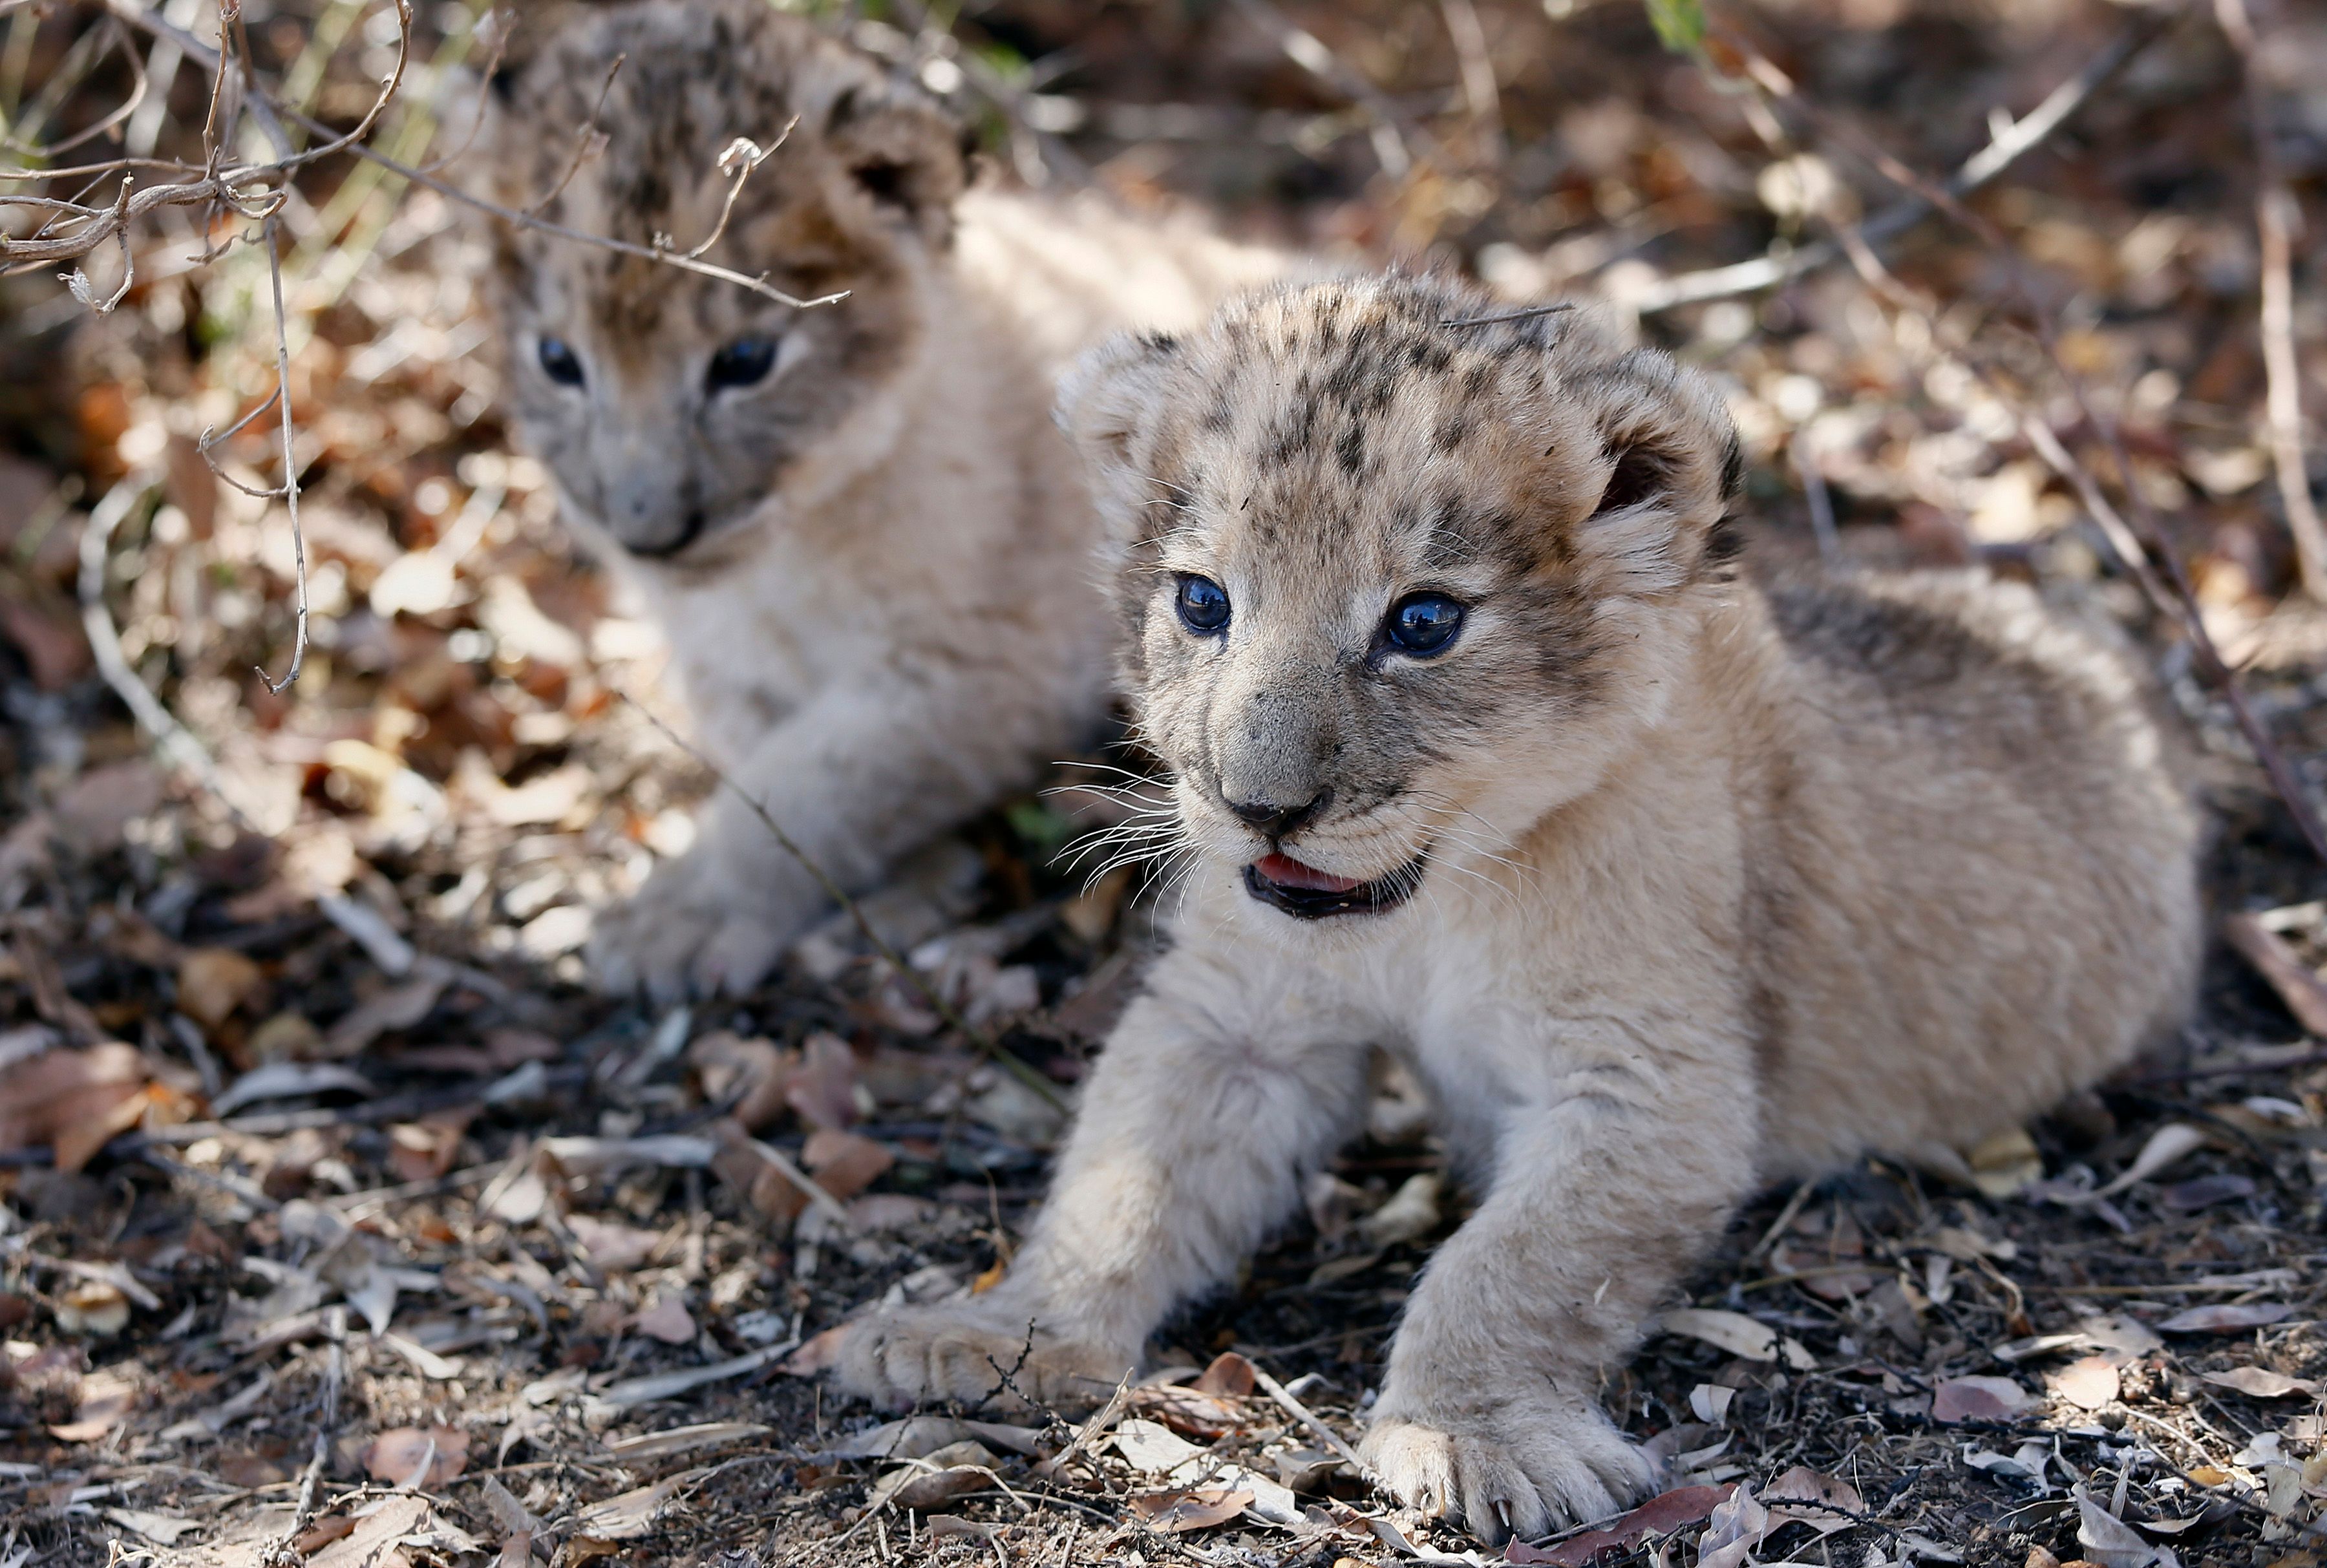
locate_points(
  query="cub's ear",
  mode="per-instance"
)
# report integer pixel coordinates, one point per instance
(1107, 406)
(1671, 464)
(903, 153)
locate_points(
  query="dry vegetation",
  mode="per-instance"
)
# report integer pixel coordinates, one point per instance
(343, 1226)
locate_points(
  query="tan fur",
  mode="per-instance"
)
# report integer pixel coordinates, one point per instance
(874, 566)
(1716, 885)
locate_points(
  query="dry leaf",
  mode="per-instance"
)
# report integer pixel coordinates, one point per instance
(613, 1247)
(2005, 1162)
(749, 1074)
(1979, 1399)
(2262, 1383)
(1737, 1334)
(1659, 1516)
(1187, 1410)
(1176, 1512)
(105, 1399)
(1803, 1496)
(1229, 1374)
(425, 1150)
(71, 1101)
(626, 1515)
(396, 1455)
(213, 982)
(823, 1087)
(2225, 1317)
(93, 813)
(844, 1163)
(668, 1320)
(680, 1440)
(2088, 1383)
(400, 1006)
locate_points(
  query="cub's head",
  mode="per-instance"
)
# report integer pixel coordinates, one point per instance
(1396, 580)
(669, 405)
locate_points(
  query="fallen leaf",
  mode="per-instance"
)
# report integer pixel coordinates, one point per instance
(283, 1080)
(823, 1087)
(626, 1515)
(162, 1528)
(2262, 1383)
(679, 1440)
(400, 1006)
(1229, 1374)
(1732, 1331)
(1960, 1399)
(844, 1163)
(613, 1247)
(105, 1399)
(322, 1532)
(1659, 1516)
(2205, 1192)
(2111, 1543)
(213, 982)
(1186, 1410)
(425, 1150)
(1176, 1512)
(1709, 1402)
(668, 1320)
(371, 1543)
(2088, 1383)
(749, 1075)
(1734, 1528)
(71, 1102)
(396, 1456)
(1803, 1496)
(955, 1470)
(1152, 1450)
(2225, 1317)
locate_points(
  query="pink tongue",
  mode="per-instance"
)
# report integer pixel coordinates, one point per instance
(1288, 872)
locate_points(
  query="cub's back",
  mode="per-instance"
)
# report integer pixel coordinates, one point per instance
(1979, 868)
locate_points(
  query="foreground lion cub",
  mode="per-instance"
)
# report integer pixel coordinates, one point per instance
(1666, 887)
(868, 545)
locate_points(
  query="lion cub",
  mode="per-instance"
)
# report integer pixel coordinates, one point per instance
(1666, 887)
(867, 544)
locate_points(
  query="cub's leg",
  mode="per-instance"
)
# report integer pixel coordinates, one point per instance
(1611, 1174)
(1211, 1105)
(856, 778)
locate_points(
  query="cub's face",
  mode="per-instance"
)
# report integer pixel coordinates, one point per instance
(1391, 588)
(672, 407)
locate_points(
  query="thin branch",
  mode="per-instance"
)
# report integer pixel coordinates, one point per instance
(588, 142)
(290, 458)
(979, 1041)
(1480, 92)
(2277, 219)
(2007, 147)
(741, 156)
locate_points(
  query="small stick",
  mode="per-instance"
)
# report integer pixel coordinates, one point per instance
(290, 458)
(2276, 219)
(1301, 1413)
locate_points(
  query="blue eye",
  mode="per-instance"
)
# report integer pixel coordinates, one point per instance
(559, 362)
(745, 362)
(1423, 624)
(1203, 605)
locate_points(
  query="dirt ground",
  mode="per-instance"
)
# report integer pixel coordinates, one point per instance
(345, 1225)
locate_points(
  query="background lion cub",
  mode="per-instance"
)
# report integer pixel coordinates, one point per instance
(869, 547)
(1664, 885)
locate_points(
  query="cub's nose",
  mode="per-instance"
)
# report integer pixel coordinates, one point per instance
(1276, 820)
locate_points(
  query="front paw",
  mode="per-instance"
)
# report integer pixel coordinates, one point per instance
(1521, 1468)
(975, 1355)
(694, 929)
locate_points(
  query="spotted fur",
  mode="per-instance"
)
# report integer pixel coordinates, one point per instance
(1707, 886)
(874, 566)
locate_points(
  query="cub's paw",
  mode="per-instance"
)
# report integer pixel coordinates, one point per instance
(907, 1356)
(1517, 1468)
(693, 930)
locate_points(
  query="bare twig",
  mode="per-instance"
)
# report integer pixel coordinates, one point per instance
(290, 464)
(2277, 219)
(978, 1039)
(588, 142)
(1398, 136)
(2013, 142)
(1479, 93)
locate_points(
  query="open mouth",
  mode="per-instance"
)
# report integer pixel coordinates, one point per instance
(1306, 893)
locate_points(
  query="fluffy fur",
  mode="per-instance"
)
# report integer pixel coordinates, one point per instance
(873, 564)
(1708, 885)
